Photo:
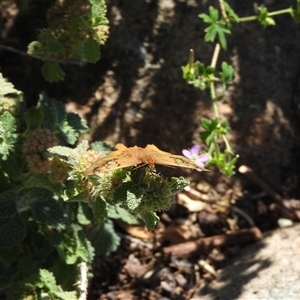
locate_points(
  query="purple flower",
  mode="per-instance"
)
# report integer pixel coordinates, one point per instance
(196, 157)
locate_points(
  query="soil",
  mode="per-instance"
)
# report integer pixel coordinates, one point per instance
(136, 95)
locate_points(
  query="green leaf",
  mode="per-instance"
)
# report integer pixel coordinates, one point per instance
(52, 72)
(104, 238)
(64, 151)
(78, 123)
(8, 138)
(74, 247)
(216, 27)
(7, 87)
(264, 17)
(35, 48)
(178, 183)
(85, 214)
(68, 126)
(117, 212)
(68, 134)
(46, 209)
(128, 194)
(47, 280)
(150, 219)
(98, 12)
(41, 181)
(100, 208)
(206, 18)
(12, 229)
(54, 46)
(227, 73)
(101, 147)
(33, 118)
(91, 50)
(65, 295)
(54, 112)
(230, 12)
(65, 275)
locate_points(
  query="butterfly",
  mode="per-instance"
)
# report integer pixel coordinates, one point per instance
(124, 157)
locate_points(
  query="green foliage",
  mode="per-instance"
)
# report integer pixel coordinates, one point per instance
(52, 71)
(150, 219)
(198, 75)
(217, 28)
(8, 136)
(75, 31)
(205, 77)
(46, 201)
(264, 17)
(7, 88)
(104, 238)
(38, 231)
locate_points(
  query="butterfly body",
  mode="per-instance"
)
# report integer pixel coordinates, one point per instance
(124, 157)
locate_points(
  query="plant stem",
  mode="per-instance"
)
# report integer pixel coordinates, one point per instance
(212, 84)
(270, 14)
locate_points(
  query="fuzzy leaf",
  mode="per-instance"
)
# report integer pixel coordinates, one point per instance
(68, 133)
(33, 117)
(8, 122)
(104, 238)
(64, 151)
(100, 208)
(41, 181)
(47, 281)
(52, 72)
(117, 212)
(85, 214)
(150, 219)
(65, 295)
(98, 11)
(78, 123)
(7, 87)
(54, 112)
(74, 246)
(12, 229)
(101, 147)
(48, 210)
(91, 50)
(8, 138)
(177, 184)
(54, 47)
(132, 200)
(35, 48)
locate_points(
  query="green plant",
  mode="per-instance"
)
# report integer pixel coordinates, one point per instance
(47, 203)
(75, 31)
(206, 77)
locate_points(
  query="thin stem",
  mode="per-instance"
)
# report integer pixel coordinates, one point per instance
(215, 55)
(227, 143)
(223, 10)
(280, 12)
(212, 84)
(247, 19)
(270, 14)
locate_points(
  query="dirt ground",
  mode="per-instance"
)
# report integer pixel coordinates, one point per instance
(136, 95)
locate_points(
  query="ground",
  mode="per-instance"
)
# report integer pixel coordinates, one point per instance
(136, 95)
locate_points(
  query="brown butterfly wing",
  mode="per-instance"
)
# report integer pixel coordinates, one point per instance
(117, 159)
(169, 159)
(109, 164)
